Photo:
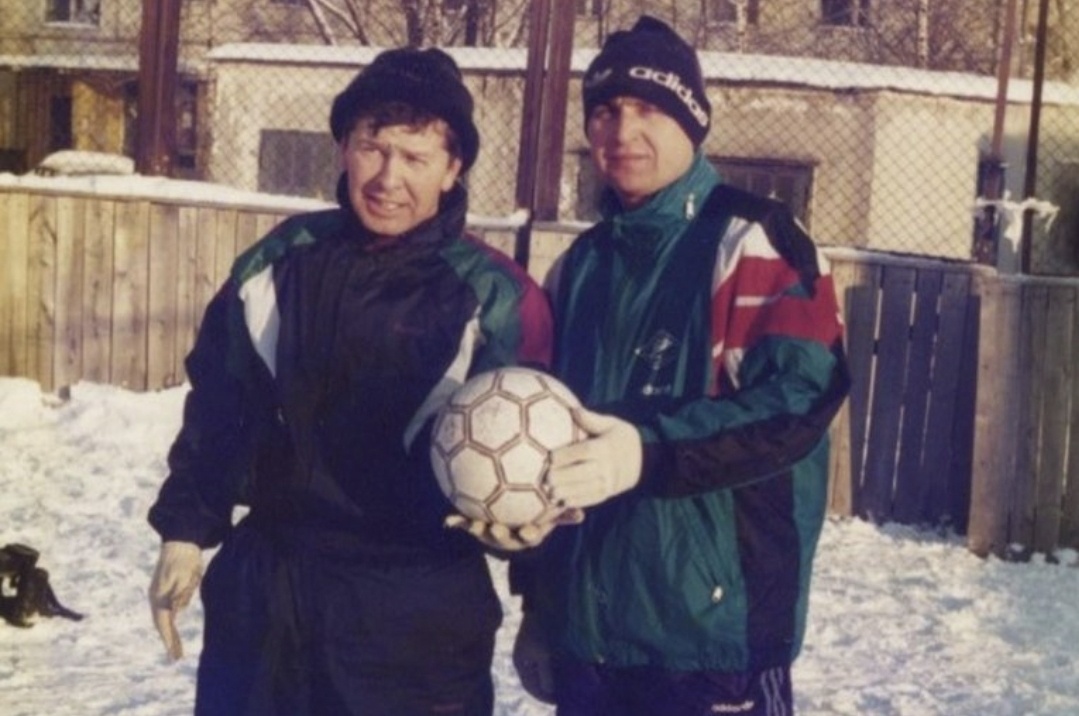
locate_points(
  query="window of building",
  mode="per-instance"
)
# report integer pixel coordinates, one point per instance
(187, 127)
(848, 13)
(131, 118)
(187, 101)
(788, 181)
(298, 164)
(589, 8)
(13, 161)
(727, 10)
(82, 12)
(61, 126)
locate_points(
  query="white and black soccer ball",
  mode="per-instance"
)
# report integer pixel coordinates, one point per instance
(491, 442)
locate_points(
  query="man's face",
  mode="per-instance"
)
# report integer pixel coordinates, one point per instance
(637, 148)
(397, 174)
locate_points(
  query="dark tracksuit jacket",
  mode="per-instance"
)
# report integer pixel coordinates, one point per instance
(707, 319)
(314, 378)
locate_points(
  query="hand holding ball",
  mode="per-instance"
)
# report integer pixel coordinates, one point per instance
(491, 442)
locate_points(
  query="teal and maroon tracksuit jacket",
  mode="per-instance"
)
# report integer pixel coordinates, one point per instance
(708, 319)
(316, 373)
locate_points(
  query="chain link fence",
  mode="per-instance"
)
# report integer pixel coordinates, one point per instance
(871, 119)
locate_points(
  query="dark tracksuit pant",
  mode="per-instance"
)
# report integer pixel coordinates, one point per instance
(293, 631)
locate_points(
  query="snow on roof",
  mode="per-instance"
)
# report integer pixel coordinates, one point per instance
(720, 66)
(116, 63)
(830, 74)
(467, 58)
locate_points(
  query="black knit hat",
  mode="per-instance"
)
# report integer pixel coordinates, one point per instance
(428, 80)
(651, 62)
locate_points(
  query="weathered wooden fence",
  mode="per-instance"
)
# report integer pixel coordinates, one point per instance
(109, 289)
(1026, 472)
(961, 412)
(905, 437)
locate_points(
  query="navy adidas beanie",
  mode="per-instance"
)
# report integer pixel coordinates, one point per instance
(427, 79)
(651, 62)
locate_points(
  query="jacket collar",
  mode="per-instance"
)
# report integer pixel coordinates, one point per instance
(642, 229)
(680, 199)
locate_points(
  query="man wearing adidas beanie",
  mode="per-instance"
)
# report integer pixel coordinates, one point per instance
(700, 328)
(315, 377)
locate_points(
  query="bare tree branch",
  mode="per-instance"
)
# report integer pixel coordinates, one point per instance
(320, 19)
(420, 23)
(347, 16)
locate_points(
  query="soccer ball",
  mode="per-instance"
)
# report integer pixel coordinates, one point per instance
(490, 443)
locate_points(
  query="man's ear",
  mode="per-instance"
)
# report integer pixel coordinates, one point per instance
(453, 173)
(342, 152)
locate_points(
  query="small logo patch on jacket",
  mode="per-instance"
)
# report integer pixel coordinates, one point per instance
(657, 352)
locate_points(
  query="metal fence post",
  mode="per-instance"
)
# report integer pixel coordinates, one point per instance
(1030, 181)
(158, 52)
(985, 248)
(539, 166)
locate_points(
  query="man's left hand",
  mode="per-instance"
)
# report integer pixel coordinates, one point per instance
(594, 470)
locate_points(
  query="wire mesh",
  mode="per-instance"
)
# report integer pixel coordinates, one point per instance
(871, 119)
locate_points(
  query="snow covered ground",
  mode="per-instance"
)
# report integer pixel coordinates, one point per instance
(902, 622)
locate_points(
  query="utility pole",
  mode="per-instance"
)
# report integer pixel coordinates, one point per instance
(539, 166)
(159, 42)
(1030, 180)
(991, 168)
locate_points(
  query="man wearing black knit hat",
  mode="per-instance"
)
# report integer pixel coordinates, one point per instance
(314, 379)
(699, 327)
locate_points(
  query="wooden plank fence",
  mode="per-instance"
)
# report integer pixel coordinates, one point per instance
(963, 413)
(912, 336)
(1025, 493)
(109, 289)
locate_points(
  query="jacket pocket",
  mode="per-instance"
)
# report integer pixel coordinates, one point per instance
(720, 595)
